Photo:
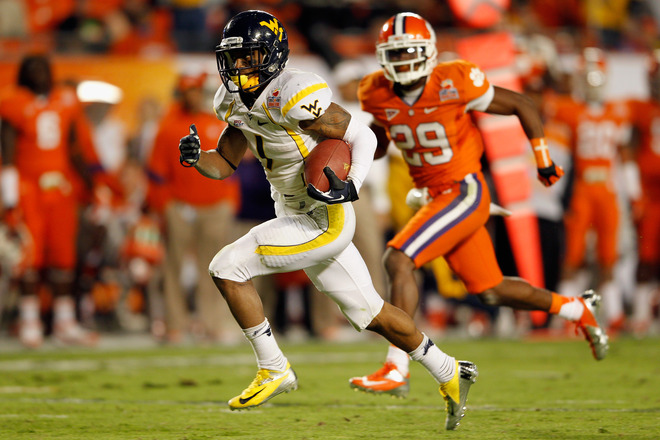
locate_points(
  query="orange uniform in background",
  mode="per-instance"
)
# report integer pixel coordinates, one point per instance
(442, 148)
(596, 133)
(47, 178)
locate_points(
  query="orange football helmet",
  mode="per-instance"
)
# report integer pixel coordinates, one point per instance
(406, 48)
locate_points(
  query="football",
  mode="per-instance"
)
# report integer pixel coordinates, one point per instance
(333, 153)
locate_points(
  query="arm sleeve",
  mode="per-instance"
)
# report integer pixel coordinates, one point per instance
(363, 145)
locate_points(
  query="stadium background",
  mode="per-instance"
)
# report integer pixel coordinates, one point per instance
(142, 46)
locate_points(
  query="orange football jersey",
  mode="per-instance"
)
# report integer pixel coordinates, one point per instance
(596, 135)
(44, 126)
(436, 135)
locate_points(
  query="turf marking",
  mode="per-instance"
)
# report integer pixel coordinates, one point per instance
(175, 361)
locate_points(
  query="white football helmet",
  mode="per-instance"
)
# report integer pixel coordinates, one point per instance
(592, 71)
(410, 34)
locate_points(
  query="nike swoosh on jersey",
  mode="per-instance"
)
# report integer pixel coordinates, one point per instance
(247, 399)
(428, 110)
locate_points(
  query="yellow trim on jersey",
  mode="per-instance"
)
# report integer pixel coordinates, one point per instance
(295, 136)
(231, 107)
(300, 95)
(335, 226)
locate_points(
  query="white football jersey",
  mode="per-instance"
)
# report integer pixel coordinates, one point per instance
(272, 130)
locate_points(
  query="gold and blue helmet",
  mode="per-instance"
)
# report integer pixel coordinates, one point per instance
(260, 41)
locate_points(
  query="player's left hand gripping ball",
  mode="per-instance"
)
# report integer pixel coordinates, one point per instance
(549, 175)
(341, 191)
(190, 148)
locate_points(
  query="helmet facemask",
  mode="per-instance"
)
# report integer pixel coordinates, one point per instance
(419, 55)
(254, 70)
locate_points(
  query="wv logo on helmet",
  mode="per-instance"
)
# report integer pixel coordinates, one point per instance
(312, 108)
(275, 27)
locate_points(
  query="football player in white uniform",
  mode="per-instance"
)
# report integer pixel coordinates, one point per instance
(281, 115)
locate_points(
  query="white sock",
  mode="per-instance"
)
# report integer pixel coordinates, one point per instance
(441, 366)
(64, 309)
(399, 358)
(29, 308)
(612, 300)
(268, 353)
(572, 310)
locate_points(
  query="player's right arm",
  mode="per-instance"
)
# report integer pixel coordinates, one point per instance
(508, 102)
(219, 163)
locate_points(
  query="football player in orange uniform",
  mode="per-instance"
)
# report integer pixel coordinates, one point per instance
(425, 108)
(599, 136)
(646, 120)
(42, 168)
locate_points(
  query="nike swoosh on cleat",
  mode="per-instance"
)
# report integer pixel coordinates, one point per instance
(262, 123)
(371, 383)
(246, 400)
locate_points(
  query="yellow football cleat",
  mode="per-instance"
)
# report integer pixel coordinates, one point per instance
(456, 390)
(267, 384)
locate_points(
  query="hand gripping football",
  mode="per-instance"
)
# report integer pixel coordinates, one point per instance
(333, 153)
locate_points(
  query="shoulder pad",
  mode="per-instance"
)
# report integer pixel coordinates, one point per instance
(305, 96)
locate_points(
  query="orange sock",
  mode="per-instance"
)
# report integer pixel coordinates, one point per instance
(558, 301)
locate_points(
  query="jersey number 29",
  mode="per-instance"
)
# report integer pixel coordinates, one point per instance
(428, 135)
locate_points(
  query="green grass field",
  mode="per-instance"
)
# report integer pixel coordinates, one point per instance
(525, 390)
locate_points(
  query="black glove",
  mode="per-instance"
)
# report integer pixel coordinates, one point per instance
(549, 175)
(190, 148)
(341, 191)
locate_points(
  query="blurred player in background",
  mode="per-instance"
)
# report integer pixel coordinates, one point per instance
(646, 119)
(424, 109)
(43, 172)
(198, 216)
(599, 138)
(281, 115)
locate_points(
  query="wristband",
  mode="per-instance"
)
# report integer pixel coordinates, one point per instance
(541, 152)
